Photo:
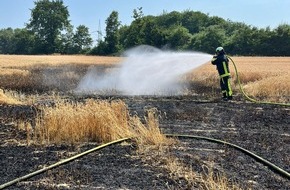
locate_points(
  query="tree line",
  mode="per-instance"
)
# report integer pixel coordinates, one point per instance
(49, 31)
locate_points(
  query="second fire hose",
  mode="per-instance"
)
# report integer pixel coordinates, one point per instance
(272, 166)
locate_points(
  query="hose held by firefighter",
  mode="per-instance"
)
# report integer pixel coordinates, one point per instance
(221, 62)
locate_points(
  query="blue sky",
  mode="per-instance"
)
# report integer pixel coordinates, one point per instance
(260, 13)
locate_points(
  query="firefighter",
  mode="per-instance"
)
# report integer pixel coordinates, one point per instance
(222, 64)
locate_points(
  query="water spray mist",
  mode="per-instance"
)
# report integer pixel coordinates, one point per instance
(145, 71)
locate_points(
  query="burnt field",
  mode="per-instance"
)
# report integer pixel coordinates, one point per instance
(262, 129)
(33, 83)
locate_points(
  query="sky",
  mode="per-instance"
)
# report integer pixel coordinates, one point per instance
(93, 13)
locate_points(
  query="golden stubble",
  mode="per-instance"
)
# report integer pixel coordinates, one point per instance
(54, 60)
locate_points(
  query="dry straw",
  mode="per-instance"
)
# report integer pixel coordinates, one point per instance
(97, 121)
(8, 98)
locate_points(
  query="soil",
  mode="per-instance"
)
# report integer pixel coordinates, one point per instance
(262, 129)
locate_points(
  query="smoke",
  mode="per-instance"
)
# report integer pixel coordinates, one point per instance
(145, 71)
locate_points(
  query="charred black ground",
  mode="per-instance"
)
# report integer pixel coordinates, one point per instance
(262, 129)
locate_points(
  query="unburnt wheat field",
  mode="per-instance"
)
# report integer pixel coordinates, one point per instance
(55, 107)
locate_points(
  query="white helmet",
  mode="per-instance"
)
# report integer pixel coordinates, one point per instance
(219, 50)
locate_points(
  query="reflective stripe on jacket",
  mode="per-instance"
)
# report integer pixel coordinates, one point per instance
(222, 64)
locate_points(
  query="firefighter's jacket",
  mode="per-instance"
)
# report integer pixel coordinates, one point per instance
(222, 64)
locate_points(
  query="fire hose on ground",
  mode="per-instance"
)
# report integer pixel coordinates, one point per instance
(60, 163)
(272, 166)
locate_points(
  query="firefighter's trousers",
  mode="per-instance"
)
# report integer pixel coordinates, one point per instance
(226, 87)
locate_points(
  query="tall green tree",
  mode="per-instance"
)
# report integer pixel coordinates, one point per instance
(166, 20)
(17, 41)
(208, 39)
(82, 38)
(48, 20)
(24, 41)
(133, 35)
(112, 33)
(66, 42)
(280, 42)
(179, 38)
(153, 35)
(193, 21)
(7, 45)
(264, 44)
(243, 41)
